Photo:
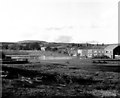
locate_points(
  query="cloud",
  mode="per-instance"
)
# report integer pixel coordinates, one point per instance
(92, 42)
(54, 28)
(64, 39)
(59, 28)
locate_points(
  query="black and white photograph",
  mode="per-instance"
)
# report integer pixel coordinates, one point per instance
(60, 49)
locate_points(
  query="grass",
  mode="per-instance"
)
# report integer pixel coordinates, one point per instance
(14, 52)
(32, 52)
(60, 80)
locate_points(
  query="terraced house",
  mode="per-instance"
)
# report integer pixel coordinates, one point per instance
(91, 51)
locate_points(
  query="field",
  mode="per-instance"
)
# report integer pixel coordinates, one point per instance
(61, 78)
(32, 52)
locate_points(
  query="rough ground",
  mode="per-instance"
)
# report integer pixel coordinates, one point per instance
(74, 78)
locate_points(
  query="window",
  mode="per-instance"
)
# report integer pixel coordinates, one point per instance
(95, 51)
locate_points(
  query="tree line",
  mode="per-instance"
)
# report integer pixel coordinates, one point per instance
(16, 46)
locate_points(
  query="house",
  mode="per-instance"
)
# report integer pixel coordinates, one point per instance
(112, 51)
(98, 52)
(91, 51)
(72, 52)
(82, 52)
(79, 51)
(43, 48)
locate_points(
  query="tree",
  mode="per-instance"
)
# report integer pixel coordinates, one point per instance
(33, 46)
(2, 55)
(4, 46)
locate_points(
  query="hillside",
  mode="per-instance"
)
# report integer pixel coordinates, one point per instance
(32, 41)
(36, 45)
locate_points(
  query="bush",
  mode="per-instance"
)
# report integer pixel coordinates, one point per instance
(101, 57)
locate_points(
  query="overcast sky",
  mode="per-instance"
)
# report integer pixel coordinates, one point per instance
(59, 20)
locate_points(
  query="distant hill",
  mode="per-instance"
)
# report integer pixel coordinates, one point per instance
(32, 41)
(36, 45)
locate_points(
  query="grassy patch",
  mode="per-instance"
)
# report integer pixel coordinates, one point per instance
(42, 80)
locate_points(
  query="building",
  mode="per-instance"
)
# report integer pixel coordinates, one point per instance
(72, 52)
(79, 51)
(43, 48)
(112, 51)
(82, 52)
(98, 52)
(91, 51)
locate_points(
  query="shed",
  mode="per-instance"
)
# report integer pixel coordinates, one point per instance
(43, 48)
(112, 51)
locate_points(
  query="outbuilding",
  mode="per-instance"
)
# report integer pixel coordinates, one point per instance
(43, 48)
(112, 51)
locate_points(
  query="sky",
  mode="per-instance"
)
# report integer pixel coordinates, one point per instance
(76, 21)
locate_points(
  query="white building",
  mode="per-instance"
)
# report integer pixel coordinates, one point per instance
(43, 48)
(112, 51)
(79, 51)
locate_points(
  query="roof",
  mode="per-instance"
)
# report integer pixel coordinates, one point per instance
(93, 47)
(111, 47)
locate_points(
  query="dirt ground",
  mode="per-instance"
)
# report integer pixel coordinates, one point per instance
(61, 78)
